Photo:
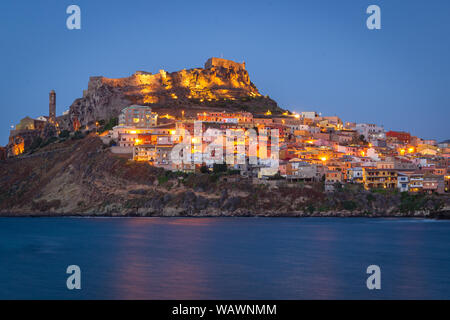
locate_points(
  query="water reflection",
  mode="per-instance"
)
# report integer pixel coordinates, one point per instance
(161, 264)
(224, 258)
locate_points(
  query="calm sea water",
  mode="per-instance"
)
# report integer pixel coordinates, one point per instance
(224, 258)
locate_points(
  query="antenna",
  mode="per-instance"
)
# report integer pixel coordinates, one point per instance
(221, 55)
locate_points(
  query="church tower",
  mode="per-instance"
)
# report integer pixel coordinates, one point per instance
(52, 107)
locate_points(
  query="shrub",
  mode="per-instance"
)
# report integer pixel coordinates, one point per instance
(349, 205)
(219, 167)
(214, 178)
(49, 141)
(109, 125)
(64, 134)
(411, 202)
(36, 143)
(337, 186)
(162, 180)
(370, 197)
(233, 172)
(78, 135)
(310, 209)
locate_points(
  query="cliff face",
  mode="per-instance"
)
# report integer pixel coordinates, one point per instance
(218, 86)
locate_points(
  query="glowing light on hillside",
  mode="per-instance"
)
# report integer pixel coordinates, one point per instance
(323, 159)
(411, 150)
(268, 113)
(18, 148)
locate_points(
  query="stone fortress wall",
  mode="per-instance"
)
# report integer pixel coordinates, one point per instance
(228, 64)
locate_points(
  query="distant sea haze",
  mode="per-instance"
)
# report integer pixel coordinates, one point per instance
(224, 258)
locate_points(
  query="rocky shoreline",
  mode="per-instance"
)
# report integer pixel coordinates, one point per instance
(442, 215)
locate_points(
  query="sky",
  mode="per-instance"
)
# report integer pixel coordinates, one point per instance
(308, 55)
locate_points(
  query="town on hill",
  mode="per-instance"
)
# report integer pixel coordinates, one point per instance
(205, 141)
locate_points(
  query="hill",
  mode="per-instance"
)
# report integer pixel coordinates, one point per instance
(220, 85)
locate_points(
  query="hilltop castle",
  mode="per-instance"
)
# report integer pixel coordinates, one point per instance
(224, 63)
(219, 83)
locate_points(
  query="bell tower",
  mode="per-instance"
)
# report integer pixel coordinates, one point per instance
(52, 107)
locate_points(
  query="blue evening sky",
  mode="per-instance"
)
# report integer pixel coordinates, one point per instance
(306, 54)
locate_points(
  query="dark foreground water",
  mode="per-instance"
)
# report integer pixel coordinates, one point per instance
(224, 258)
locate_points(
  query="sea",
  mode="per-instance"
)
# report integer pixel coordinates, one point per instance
(224, 258)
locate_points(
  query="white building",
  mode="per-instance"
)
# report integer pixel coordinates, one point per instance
(42, 118)
(302, 170)
(309, 114)
(370, 131)
(302, 127)
(403, 182)
(138, 116)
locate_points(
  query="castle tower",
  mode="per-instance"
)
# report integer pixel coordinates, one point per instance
(52, 107)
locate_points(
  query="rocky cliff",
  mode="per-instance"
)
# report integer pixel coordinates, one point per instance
(218, 86)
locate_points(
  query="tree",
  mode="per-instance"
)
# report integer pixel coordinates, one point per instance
(219, 167)
(36, 143)
(109, 125)
(337, 186)
(64, 134)
(78, 135)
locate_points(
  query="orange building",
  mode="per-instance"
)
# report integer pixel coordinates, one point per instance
(380, 179)
(333, 176)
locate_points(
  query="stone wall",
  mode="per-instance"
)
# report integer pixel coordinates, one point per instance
(228, 64)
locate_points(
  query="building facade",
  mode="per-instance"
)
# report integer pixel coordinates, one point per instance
(138, 116)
